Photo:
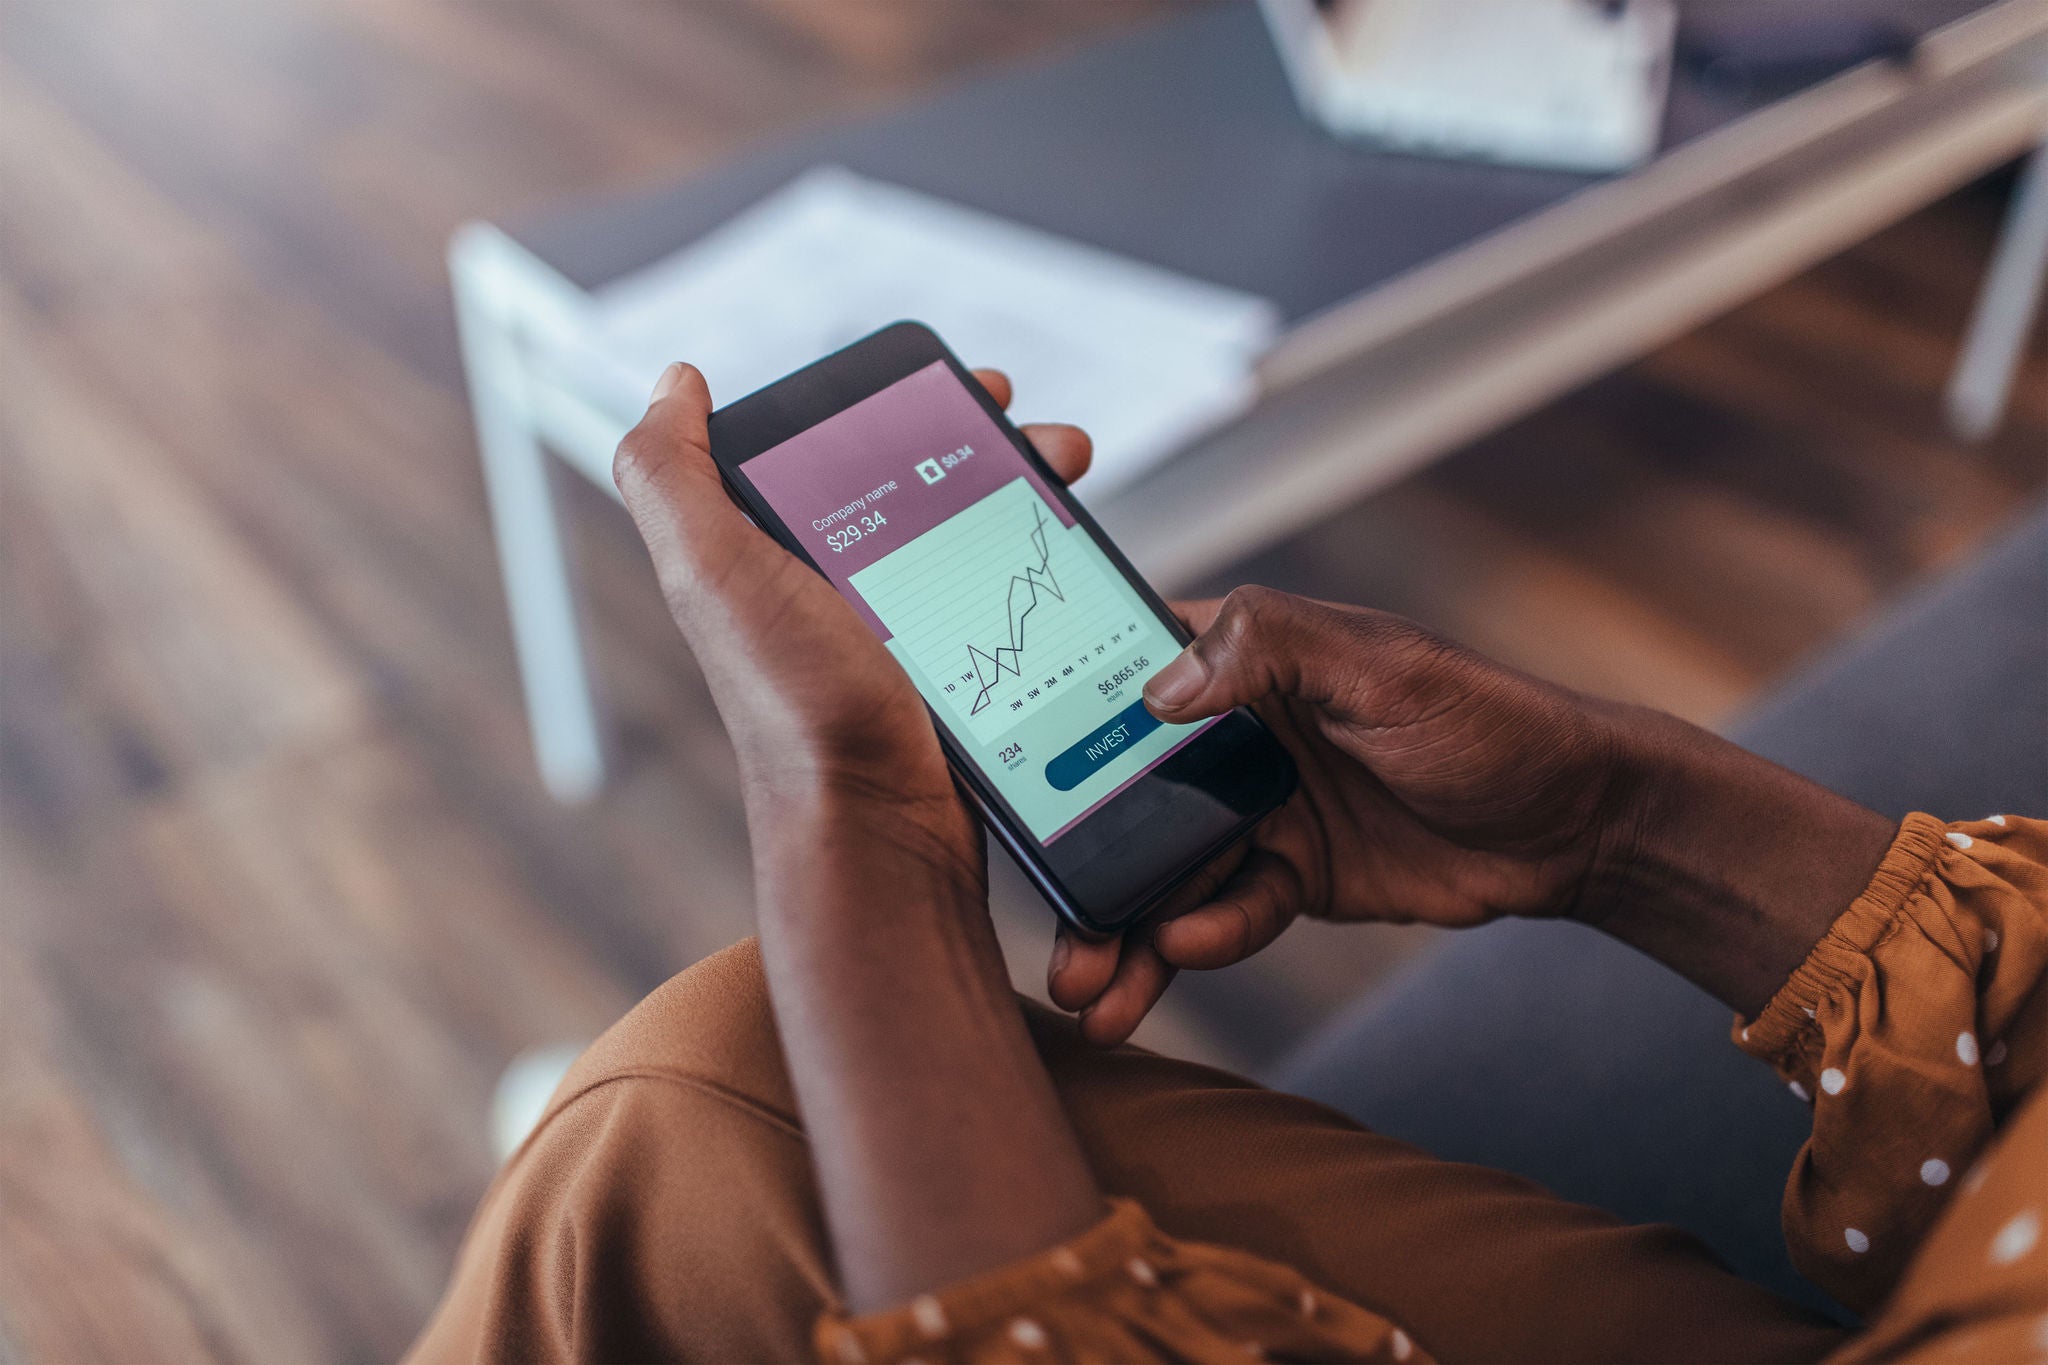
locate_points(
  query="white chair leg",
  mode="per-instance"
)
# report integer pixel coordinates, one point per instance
(2006, 306)
(559, 708)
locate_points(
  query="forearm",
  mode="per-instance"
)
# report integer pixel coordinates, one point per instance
(940, 1146)
(1726, 867)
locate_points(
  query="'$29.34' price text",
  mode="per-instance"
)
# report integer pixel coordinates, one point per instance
(842, 540)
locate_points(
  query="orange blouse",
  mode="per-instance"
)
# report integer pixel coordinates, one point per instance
(1917, 1028)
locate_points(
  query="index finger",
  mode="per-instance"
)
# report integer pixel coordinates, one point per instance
(1254, 904)
(997, 383)
(1197, 616)
(1081, 973)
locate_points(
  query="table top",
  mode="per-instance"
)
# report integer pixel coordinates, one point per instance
(1179, 144)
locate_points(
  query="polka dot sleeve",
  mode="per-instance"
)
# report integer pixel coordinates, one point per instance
(1122, 1291)
(1918, 1030)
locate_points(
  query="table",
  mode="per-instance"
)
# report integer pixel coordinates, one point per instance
(1427, 302)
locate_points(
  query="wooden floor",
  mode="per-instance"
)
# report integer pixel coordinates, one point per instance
(279, 895)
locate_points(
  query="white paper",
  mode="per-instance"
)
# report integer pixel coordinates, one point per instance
(1144, 358)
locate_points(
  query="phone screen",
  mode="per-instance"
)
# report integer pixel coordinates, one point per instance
(1024, 637)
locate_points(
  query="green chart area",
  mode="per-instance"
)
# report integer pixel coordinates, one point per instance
(1024, 637)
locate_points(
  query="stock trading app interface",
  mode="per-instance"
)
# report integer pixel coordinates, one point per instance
(1016, 628)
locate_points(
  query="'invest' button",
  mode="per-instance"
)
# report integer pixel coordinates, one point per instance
(1071, 767)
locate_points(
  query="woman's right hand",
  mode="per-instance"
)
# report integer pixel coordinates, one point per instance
(1435, 785)
(1439, 786)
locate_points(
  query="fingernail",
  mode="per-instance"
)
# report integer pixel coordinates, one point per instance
(1062, 949)
(670, 377)
(1176, 684)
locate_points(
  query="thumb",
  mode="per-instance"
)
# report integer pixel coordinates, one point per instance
(1263, 641)
(665, 474)
(663, 466)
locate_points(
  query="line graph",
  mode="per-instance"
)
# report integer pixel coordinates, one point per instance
(988, 665)
(1001, 608)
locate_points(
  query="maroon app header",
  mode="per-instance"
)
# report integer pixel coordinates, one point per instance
(874, 477)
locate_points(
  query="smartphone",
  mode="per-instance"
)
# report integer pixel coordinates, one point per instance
(888, 469)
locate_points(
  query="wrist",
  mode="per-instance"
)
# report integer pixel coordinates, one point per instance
(829, 835)
(1721, 864)
(1637, 763)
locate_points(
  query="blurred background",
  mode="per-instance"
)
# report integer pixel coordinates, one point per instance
(282, 891)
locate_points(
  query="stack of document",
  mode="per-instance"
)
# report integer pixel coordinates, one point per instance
(1143, 357)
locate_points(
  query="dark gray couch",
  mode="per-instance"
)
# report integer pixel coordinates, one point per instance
(1550, 1050)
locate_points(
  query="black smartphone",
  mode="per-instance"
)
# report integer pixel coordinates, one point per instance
(887, 467)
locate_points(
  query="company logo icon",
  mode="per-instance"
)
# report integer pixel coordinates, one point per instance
(929, 471)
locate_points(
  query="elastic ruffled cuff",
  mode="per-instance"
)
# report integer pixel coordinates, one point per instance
(997, 1296)
(1122, 1290)
(1786, 1032)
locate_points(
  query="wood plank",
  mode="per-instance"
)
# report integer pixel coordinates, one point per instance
(344, 1038)
(94, 1267)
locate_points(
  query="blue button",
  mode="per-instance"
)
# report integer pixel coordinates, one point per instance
(1071, 767)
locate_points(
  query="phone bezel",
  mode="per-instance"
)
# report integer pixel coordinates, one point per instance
(1251, 789)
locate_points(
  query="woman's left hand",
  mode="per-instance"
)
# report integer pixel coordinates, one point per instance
(939, 1142)
(814, 702)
